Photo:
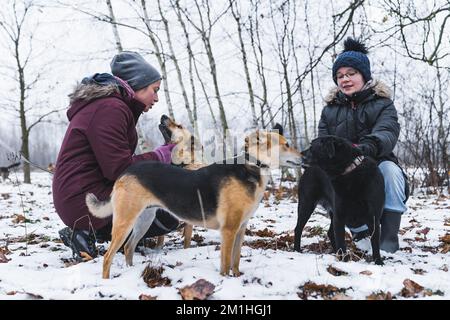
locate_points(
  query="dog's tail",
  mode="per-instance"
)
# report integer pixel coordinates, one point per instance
(99, 209)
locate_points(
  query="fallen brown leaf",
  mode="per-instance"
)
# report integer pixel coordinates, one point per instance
(314, 290)
(147, 297)
(34, 296)
(198, 238)
(199, 290)
(423, 231)
(5, 250)
(410, 289)
(445, 239)
(31, 295)
(153, 277)
(3, 258)
(265, 233)
(314, 231)
(336, 272)
(381, 295)
(18, 218)
(366, 273)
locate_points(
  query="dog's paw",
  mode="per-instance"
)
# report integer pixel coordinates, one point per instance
(237, 273)
(224, 274)
(379, 262)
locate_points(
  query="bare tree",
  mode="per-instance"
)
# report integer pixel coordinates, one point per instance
(146, 30)
(258, 55)
(114, 26)
(284, 50)
(434, 21)
(204, 28)
(13, 27)
(237, 17)
(159, 52)
(142, 145)
(192, 66)
(174, 59)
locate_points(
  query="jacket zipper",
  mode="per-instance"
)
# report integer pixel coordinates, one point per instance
(355, 127)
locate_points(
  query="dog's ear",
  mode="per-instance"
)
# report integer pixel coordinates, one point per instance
(330, 148)
(278, 127)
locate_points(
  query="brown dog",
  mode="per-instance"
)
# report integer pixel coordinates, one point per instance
(188, 154)
(220, 196)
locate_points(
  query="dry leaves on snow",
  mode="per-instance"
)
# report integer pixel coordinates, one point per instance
(29, 294)
(3, 258)
(147, 297)
(411, 289)
(445, 243)
(153, 277)
(380, 295)
(336, 272)
(199, 290)
(18, 218)
(314, 290)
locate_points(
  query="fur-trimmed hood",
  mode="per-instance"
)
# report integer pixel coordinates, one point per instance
(102, 85)
(90, 91)
(379, 88)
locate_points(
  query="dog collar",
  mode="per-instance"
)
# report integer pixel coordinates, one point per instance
(254, 161)
(353, 165)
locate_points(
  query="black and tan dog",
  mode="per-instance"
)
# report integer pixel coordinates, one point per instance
(346, 183)
(4, 171)
(220, 196)
(188, 154)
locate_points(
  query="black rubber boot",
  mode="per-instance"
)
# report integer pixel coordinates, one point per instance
(164, 223)
(79, 241)
(357, 236)
(390, 224)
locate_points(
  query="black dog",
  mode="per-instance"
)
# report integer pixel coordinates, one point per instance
(346, 183)
(4, 171)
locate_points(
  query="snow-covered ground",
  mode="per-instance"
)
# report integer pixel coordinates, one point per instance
(271, 270)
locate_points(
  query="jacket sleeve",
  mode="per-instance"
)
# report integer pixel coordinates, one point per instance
(323, 124)
(108, 136)
(385, 131)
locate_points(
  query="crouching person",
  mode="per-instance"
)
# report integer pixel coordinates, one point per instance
(360, 109)
(99, 145)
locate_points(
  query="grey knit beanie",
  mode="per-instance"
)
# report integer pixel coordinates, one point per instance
(132, 67)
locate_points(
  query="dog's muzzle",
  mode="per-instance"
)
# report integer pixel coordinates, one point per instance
(166, 133)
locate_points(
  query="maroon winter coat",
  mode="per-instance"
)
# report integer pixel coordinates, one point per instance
(98, 146)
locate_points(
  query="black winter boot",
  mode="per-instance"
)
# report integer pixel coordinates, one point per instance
(358, 236)
(164, 223)
(79, 241)
(390, 224)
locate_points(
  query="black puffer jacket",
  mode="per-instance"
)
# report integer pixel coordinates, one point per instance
(368, 118)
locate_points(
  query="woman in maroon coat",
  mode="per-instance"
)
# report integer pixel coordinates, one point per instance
(99, 145)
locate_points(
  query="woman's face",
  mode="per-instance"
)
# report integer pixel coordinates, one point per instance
(148, 95)
(349, 80)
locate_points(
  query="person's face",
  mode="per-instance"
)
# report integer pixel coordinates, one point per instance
(349, 80)
(148, 95)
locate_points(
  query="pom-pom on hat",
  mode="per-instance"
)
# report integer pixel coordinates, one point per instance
(354, 56)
